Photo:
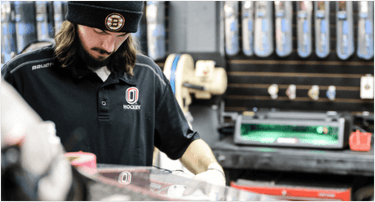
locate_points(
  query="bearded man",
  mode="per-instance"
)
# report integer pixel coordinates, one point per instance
(106, 98)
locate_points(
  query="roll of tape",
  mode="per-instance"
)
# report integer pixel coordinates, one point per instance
(81, 159)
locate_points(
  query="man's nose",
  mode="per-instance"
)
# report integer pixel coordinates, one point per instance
(109, 43)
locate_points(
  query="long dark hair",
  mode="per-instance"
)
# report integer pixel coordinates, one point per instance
(67, 48)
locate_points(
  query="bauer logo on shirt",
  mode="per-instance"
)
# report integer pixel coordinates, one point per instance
(131, 97)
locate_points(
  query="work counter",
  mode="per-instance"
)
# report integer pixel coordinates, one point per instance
(338, 161)
(114, 182)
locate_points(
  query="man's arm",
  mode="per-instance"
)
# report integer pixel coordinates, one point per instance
(198, 156)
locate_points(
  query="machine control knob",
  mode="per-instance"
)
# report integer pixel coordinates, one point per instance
(314, 92)
(291, 91)
(273, 90)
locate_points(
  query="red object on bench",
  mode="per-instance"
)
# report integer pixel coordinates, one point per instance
(300, 193)
(359, 141)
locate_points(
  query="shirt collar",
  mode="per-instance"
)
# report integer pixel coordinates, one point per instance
(80, 70)
(80, 73)
(128, 78)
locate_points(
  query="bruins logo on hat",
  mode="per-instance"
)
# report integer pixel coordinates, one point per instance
(114, 21)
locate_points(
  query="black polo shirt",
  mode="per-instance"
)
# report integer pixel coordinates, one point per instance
(120, 120)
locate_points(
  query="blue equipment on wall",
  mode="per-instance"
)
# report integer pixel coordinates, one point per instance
(155, 14)
(8, 28)
(231, 27)
(141, 35)
(50, 20)
(58, 15)
(322, 42)
(25, 23)
(64, 6)
(344, 29)
(304, 10)
(283, 21)
(365, 48)
(263, 35)
(42, 20)
(248, 27)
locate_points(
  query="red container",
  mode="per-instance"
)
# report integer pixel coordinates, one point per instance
(82, 160)
(297, 192)
(359, 141)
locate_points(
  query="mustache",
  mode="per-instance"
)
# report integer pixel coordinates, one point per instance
(101, 51)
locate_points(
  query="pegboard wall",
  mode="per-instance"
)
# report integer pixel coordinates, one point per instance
(250, 76)
(186, 30)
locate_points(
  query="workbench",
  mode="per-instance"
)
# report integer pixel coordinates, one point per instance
(153, 184)
(340, 162)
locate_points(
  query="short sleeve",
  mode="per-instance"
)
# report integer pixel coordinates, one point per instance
(173, 134)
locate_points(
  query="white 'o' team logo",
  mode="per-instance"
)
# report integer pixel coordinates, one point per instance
(131, 95)
(114, 21)
(125, 178)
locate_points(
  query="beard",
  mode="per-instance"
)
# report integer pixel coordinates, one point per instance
(91, 62)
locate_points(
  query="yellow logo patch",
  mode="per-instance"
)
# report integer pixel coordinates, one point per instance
(114, 21)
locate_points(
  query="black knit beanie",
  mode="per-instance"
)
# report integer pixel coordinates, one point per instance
(114, 16)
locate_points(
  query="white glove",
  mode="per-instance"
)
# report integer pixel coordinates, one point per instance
(213, 175)
(210, 183)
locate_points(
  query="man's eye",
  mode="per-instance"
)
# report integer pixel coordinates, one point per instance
(99, 31)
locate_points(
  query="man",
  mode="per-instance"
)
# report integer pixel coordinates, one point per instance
(104, 97)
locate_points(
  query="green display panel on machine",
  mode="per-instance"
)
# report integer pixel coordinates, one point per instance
(293, 129)
(270, 133)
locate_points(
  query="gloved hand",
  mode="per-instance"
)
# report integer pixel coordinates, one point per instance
(213, 175)
(210, 184)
